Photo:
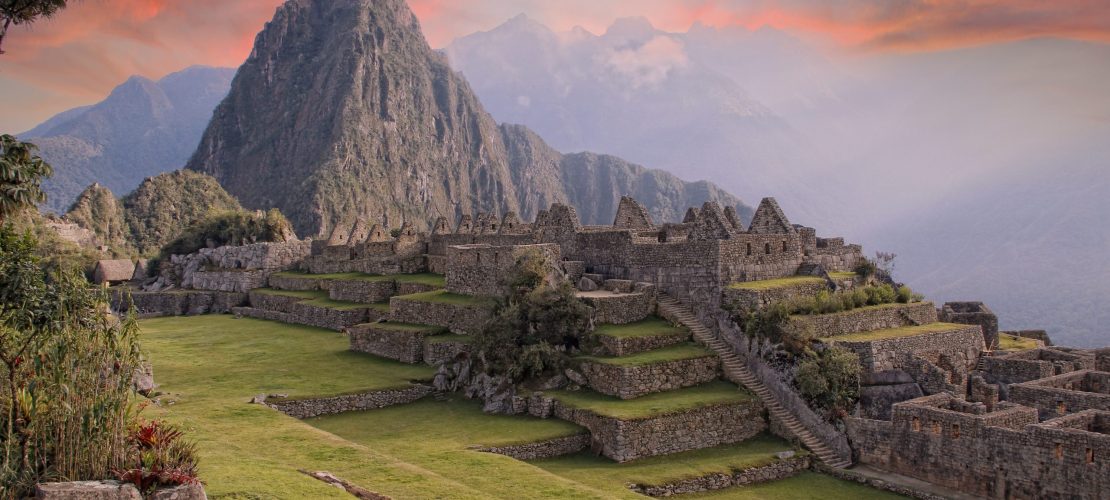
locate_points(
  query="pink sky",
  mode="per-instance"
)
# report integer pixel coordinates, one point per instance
(79, 56)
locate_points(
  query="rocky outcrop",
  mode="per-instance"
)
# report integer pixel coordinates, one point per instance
(352, 89)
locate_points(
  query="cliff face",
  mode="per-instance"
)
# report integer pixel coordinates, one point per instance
(343, 110)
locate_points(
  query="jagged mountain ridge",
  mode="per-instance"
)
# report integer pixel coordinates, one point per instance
(143, 128)
(343, 110)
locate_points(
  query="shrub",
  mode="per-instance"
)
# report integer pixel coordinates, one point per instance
(158, 456)
(535, 326)
(830, 379)
(230, 228)
(66, 368)
(866, 268)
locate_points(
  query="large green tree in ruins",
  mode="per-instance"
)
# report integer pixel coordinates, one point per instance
(21, 175)
(19, 12)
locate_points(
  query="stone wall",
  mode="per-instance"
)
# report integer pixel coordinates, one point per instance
(627, 382)
(625, 440)
(973, 313)
(236, 280)
(381, 339)
(439, 351)
(756, 299)
(182, 270)
(177, 302)
(866, 319)
(1064, 394)
(627, 346)
(364, 291)
(544, 449)
(480, 270)
(775, 471)
(961, 344)
(1000, 454)
(321, 317)
(459, 318)
(619, 308)
(1034, 364)
(314, 407)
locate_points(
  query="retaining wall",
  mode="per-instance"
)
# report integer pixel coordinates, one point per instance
(868, 318)
(314, 407)
(459, 318)
(780, 469)
(627, 382)
(544, 449)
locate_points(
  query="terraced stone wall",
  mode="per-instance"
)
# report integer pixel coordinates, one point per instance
(480, 270)
(625, 440)
(314, 407)
(459, 318)
(775, 471)
(621, 309)
(544, 449)
(868, 318)
(757, 299)
(1034, 364)
(627, 382)
(241, 281)
(616, 346)
(177, 302)
(362, 290)
(402, 345)
(961, 345)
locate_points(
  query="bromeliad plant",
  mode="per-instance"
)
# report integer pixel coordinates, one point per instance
(159, 456)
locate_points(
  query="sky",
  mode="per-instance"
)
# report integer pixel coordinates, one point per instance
(77, 57)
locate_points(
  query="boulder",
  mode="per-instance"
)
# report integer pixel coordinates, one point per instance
(587, 285)
(875, 401)
(87, 490)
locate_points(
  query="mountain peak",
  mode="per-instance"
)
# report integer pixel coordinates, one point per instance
(631, 29)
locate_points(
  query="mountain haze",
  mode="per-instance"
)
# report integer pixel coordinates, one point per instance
(142, 129)
(343, 110)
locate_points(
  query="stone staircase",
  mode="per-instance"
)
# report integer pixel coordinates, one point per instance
(737, 372)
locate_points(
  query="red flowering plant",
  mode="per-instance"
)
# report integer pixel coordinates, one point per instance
(159, 456)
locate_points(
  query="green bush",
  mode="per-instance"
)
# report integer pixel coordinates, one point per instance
(866, 268)
(535, 325)
(830, 379)
(66, 368)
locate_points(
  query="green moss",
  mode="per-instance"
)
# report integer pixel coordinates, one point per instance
(652, 405)
(1014, 343)
(443, 297)
(891, 333)
(688, 350)
(765, 285)
(650, 327)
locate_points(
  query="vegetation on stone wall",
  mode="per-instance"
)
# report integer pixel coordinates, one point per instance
(536, 326)
(830, 379)
(66, 369)
(220, 228)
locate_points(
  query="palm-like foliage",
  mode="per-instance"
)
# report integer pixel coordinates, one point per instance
(21, 175)
(17, 12)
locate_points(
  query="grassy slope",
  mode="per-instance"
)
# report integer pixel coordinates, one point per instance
(1014, 343)
(316, 298)
(443, 297)
(430, 279)
(210, 366)
(688, 350)
(650, 327)
(776, 283)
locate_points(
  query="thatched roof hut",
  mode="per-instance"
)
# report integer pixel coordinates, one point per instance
(113, 271)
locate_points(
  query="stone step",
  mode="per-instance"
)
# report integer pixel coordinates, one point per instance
(735, 369)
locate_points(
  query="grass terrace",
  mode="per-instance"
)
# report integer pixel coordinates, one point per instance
(688, 350)
(842, 276)
(411, 328)
(1009, 342)
(892, 333)
(651, 405)
(455, 339)
(649, 327)
(444, 297)
(765, 285)
(317, 298)
(380, 306)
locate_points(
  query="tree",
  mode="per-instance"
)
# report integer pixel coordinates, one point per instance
(21, 174)
(17, 12)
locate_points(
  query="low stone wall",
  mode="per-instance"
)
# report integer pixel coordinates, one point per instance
(234, 280)
(961, 344)
(868, 318)
(362, 290)
(298, 283)
(406, 346)
(780, 469)
(274, 302)
(314, 407)
(459, 318)
(1064, 394)
(627, 346)
(879, 484)
(320, 317)
(411, 288)
(439, 352)
(625, 440)
(627, 382)
(620, 309)
(757, 299)
(544, 449)
(114, 490)
(178, 302)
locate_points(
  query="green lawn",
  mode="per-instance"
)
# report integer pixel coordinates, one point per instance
(891, 333)
(688, 350)
(443, 297)
(408, 327)
(1014, 343)
(602, 472)
(660, 403)
(764, 285)
(649, 327)
(421, 278)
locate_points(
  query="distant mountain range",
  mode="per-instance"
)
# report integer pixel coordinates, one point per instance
(143, 128)
(344, 111)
